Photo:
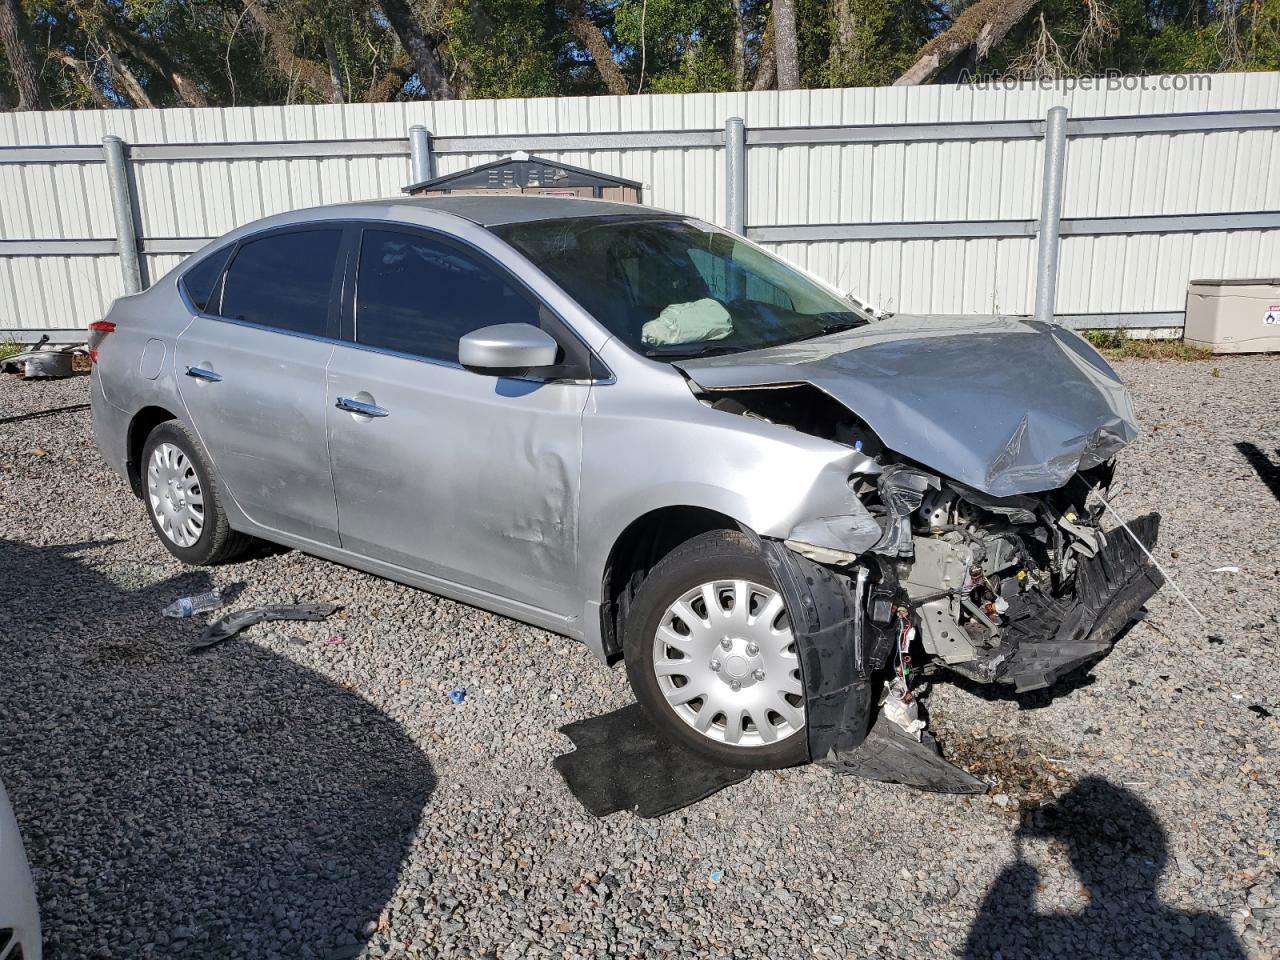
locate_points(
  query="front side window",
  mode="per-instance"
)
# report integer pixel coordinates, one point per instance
(283, 280)
(670, 288)
(419, 295)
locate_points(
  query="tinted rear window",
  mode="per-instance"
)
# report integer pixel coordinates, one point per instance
(284, 281)
(200, 280)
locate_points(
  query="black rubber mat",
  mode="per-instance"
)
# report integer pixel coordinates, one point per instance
(623, 763)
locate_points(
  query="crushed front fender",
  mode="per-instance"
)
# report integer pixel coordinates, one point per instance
(820, 604)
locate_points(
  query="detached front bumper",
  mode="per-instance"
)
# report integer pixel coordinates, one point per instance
(1046, 638)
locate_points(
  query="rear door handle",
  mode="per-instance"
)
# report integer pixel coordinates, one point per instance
(358, 406)
(200, 373)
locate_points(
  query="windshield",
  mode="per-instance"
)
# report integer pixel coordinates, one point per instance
(671, 289)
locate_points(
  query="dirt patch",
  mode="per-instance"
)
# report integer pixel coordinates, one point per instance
(1024, 774)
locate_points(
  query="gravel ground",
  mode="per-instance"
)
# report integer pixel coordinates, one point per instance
(311, 790)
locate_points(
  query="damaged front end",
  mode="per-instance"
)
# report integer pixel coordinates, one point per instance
(1017, 591)
(972, 540)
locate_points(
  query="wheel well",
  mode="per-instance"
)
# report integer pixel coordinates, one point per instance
(140, 427)
(638, 550)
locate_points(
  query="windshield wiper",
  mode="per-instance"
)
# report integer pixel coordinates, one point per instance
(706, 350)
(826, 326)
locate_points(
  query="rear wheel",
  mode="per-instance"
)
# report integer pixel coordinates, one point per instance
(710, 654)
(183, 500)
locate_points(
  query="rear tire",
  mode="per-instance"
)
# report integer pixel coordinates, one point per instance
(740, 652)
(182, 498)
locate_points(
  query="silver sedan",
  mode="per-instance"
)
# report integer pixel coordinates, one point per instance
(633, 428)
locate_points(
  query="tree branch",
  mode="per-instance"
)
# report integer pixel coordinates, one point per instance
(980, 27)
(155, 58)
(591, 37)
(310, 73)
(86, 77)
(422, 52)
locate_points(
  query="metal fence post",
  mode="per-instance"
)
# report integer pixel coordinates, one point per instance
(419, 154)
(1055, 160)
(735, 174)
(123, 212)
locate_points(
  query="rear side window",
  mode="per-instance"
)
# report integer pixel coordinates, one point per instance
(284, 281)
(199, 281)
(418, 295)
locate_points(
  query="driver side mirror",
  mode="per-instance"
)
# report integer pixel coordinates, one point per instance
(508, 349)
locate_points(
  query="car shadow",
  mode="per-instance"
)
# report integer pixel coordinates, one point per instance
(1118, 849)
(1268, 470)
(231, 805)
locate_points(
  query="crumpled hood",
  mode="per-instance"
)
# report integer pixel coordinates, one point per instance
(1004, 405)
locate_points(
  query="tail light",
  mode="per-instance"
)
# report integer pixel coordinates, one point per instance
(98, 331)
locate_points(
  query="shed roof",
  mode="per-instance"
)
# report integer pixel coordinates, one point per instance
(522, 170)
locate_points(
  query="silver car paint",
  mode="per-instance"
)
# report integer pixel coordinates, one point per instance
(1004, 405)
(533, 514)
(266, 418)
(18, 908)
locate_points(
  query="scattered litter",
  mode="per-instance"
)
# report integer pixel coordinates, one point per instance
(335, 639)
(1260, 710)
(836, 920)
(1226, 569)
(457, 696)
(189, 606)
(226, 628)
(1217, 640)
(717, 876)
(39, 452)
(1237, 696)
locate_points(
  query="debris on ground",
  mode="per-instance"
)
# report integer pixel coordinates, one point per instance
(185, 607)
(457, 696)
(226, 628)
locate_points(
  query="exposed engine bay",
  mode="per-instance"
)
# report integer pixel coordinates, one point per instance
(1017, 589)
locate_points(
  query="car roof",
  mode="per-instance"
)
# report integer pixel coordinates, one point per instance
(498, 209)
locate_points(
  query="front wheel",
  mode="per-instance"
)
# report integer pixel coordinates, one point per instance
(183, 500)
(710, 654)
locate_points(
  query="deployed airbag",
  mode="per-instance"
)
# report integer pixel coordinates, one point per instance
(700, 320)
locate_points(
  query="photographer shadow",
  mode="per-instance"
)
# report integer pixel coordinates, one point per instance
(1118, 849)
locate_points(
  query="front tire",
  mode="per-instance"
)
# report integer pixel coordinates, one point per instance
(711, 657)
(183, 500)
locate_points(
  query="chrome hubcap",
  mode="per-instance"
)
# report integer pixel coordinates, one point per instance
(726, 662)
(173, 490)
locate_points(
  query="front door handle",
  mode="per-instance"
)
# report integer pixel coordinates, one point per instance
(360, 407)
(200, 373)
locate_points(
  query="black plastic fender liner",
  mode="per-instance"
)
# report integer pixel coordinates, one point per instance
(820, 604)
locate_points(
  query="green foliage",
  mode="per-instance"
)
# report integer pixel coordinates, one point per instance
(514, 48)
(1118, 345)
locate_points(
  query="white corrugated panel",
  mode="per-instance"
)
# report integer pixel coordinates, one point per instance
(863, 183)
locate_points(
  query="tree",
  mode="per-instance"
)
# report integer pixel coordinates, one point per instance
(589, 34)
(15, 34)
(786, 48)
(979, 28)
(426, 61)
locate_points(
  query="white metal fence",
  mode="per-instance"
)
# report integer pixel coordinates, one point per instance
(918, 199)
